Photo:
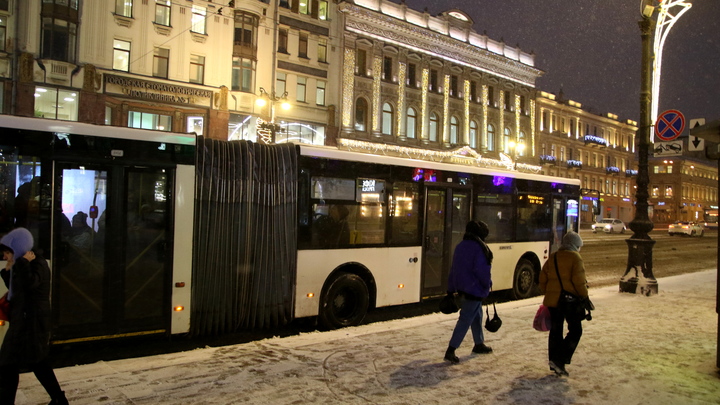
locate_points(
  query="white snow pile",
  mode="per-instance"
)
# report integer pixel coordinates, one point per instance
(636, 350)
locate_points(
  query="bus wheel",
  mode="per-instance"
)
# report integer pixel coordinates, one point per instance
(345, 302)
(524, 280)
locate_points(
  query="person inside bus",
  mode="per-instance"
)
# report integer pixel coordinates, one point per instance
(470, 277)
(333, 227)
(27, 341)
(81, 234)
(571, 272)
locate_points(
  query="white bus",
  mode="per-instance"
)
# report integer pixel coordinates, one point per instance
(150, 232)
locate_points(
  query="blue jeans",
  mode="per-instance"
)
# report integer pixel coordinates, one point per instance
(470, 318)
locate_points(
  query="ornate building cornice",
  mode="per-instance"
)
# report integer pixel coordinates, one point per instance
(375, 25)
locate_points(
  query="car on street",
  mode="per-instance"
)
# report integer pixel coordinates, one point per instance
(688, 228)
(609, 225)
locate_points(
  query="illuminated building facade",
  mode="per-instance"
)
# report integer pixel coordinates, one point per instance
(597, 149)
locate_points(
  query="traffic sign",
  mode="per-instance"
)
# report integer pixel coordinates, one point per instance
(695, 143)
(663, 149)
(669, 125)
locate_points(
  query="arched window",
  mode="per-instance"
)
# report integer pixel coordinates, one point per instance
(473, 134)
(361, 115)
(387, 119)
(434, 125)
(506, 140)
(454, 130)
(411, 123)
(521, 139)
(490, 137)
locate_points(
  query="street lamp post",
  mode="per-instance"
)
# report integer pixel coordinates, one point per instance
(268, 128)
(640, 244)
(517, 148)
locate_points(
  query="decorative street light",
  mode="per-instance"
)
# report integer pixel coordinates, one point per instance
(267, 128)
(517, 148)
(654, 27)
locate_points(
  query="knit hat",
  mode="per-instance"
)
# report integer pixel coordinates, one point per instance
(19, 241)
(477, 228)
(572, 240)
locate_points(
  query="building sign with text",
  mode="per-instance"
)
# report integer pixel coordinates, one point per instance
(157, 91)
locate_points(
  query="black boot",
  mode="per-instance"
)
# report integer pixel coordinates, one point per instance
(59, 399)
(482, 349)
(450, 355)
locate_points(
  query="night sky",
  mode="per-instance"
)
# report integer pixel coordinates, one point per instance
(592, 50)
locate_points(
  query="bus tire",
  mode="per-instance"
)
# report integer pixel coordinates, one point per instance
(524, 285)
(345, 302)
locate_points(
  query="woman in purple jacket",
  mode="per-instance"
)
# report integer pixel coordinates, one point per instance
(470, 277)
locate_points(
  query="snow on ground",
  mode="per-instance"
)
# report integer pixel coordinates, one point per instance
(636, 350)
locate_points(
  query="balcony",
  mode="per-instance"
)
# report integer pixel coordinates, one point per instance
(548, 160)
(574, 164)
(594, 141)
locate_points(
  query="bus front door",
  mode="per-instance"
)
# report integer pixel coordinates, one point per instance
(111, 251)
(447, 211)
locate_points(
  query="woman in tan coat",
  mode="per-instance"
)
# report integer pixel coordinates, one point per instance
(572, 274)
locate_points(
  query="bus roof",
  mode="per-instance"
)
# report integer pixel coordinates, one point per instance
(334, 153)
(107, 131)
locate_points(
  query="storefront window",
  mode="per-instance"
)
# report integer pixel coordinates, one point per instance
(56, 104)
(301, 133)
(195, 124)
(242, 127)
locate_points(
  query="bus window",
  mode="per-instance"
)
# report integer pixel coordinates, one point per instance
(534, 218)
(404, 217)
(496, 211)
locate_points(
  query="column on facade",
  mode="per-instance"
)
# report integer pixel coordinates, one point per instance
(501, 120)
(348, 87)
(377, 90)
(424, 115)
(484, 124)
(466, 113)
(400, 118)
(446, 111)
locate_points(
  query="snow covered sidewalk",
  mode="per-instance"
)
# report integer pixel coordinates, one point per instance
(636, 350)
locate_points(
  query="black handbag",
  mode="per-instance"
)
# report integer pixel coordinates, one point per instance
(448, 305)
(494, 324)
(570, 303)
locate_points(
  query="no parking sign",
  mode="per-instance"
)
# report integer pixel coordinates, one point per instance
(669, 125)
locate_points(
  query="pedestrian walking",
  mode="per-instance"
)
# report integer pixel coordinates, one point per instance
(27, 341)
(564, 270)
(470, 278)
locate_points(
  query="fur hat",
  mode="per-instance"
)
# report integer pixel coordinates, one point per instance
(477, 228)
(19, 241)
(572, 239)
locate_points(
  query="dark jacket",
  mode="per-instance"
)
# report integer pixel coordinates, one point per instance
(572, 273)
(470, 272)
(27, 340)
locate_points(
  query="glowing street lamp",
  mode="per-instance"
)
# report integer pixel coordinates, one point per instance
(268, 128)
(517, 148)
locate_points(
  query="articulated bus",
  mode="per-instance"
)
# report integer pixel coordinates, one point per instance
(150, 232)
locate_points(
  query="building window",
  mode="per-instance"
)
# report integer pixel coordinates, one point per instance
(521, 140)
(301, 89)
(162, 12)
(3, 31)
(387, 70)
(121, 55)
(412, 75)
(56, 104)
(58, 40)
(454, 130)
(5, 5)
(304, 7)
(161, 60)
(387, 119)
(411, 124)
(434, 126)
(434, 80)
(281, 83)
(144, 120)
(507, 101)
(361, 62)
(301, 133)
(506, 141)
(243, 74)
(322, 51)
(523, 105)
(454, 86)
(491, 96)
(490, 137)
(197, 69)
(195, 124)
(473, 91)
(361, 109)
(473, 134)
(245, 32)
(124, 7)
(282, 40)
(198, 22)
(323, 10)
(320, 93)
(303, 45)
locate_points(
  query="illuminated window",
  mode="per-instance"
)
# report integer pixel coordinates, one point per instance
(454, 130)
(301, 89)
(361, 108)
(198, 22)
(123, 8)
(411, 127)
(323, 10)
(473, 134)
(281, 83)
(144, 120)
(197, 69)
(387, 119)
(162, 12)
(320, 92)
(161, 60)
(490, 137)
(56, 104)
(121, 55)
(434, 127)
